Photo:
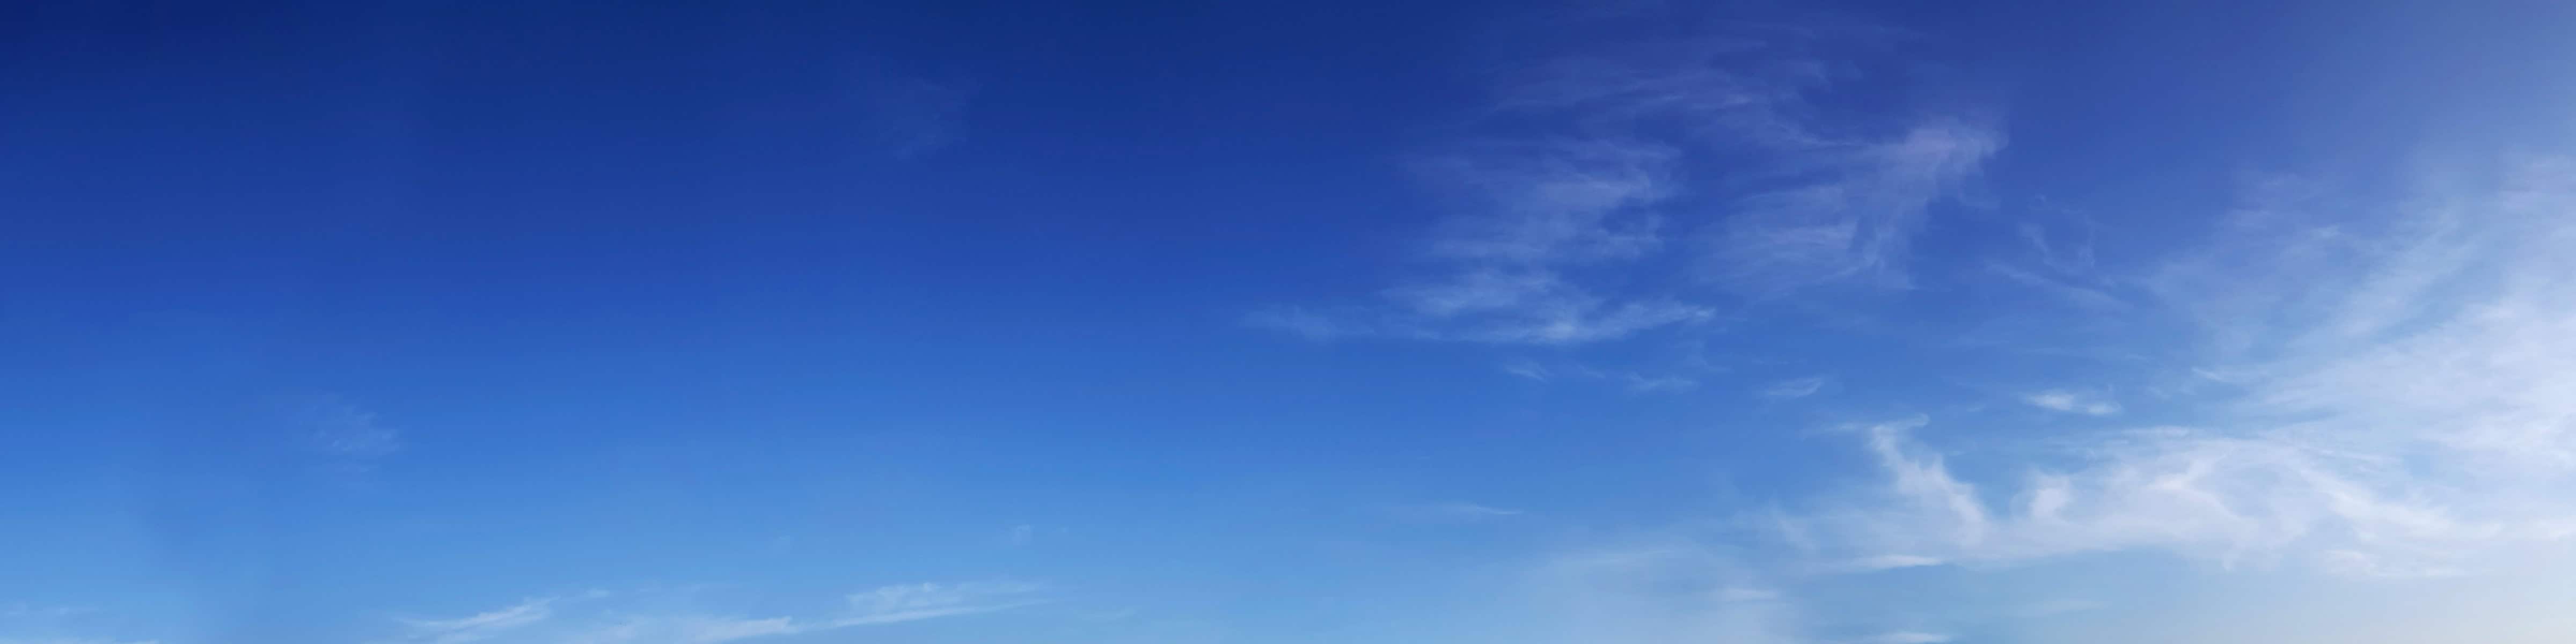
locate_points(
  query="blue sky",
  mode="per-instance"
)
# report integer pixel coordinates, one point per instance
(1516, 323)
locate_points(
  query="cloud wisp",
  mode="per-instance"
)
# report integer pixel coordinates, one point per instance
(912, 116)
(479, 626)
(2397, 403)
(893, 604)
(1454, 512)
(1666, 380)
(602, 618)
(1650, 594)
(1618, 185)
(1795, 387)
(337, 429)
(1907, 637)
(2071, 402)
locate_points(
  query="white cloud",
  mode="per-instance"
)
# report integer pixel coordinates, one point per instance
(2398, 403)
(2084, 296)
(1556, 201)
(1307, 323)
(2071, 402)
(1795, 387)
(891, 604)
(1456, 511)
(600, 618)
(1526, 369)
(1525, 306)
(1659, 384)
(478, 626)
(1883, 562)
(1566, 224)
(1855, 219)
(1660, 381)
(342, 430)
(2233, 500)
(1649, 595)
(1907, 637)
(911, 115)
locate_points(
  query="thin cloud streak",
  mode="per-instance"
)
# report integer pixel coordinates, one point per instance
(479, 626)
(1853, 221)
(1795, 387)
(2071, 402)
(1569, 235)
(1907, 637)
(2370, 424)
(599, 618)
(1454, 512)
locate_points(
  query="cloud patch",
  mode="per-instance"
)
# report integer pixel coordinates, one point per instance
(479, 626)
(2072, 402)
(1609, 187)
(607, 618)
(1907, 637)
(2395, 403)
(1794, 387)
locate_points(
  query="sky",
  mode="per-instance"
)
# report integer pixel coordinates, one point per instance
(1248, 323)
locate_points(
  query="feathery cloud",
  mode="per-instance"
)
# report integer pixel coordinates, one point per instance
(911, 115)
(1795, 387)
(1854, 220)
(600, 618)
(1598, 160)
(892, 604)
(1650, 595)
(479, 626)
(2397, 403)
(2071, 402)
(1454, 512)
(339, 429)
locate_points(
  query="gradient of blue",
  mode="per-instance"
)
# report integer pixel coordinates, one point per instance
(650, 302)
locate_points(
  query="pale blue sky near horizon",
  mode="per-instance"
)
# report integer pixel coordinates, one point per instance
(1520, 323)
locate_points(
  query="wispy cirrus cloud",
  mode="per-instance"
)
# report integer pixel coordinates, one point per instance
(340, 429)
(1613, 185)
(1795, 387)
(2063, 288)
(1453, 512)
(2073, 402)
(1667, 380)
(911, 115)
(2396, 401)
(479, 626)
(892, 604)
(2394, 404)
(606, 618)
(1852, 219)
(1873, 563)
(1907, 637)
(1649, 594)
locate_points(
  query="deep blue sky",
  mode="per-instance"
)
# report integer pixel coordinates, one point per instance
(1291, 322)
